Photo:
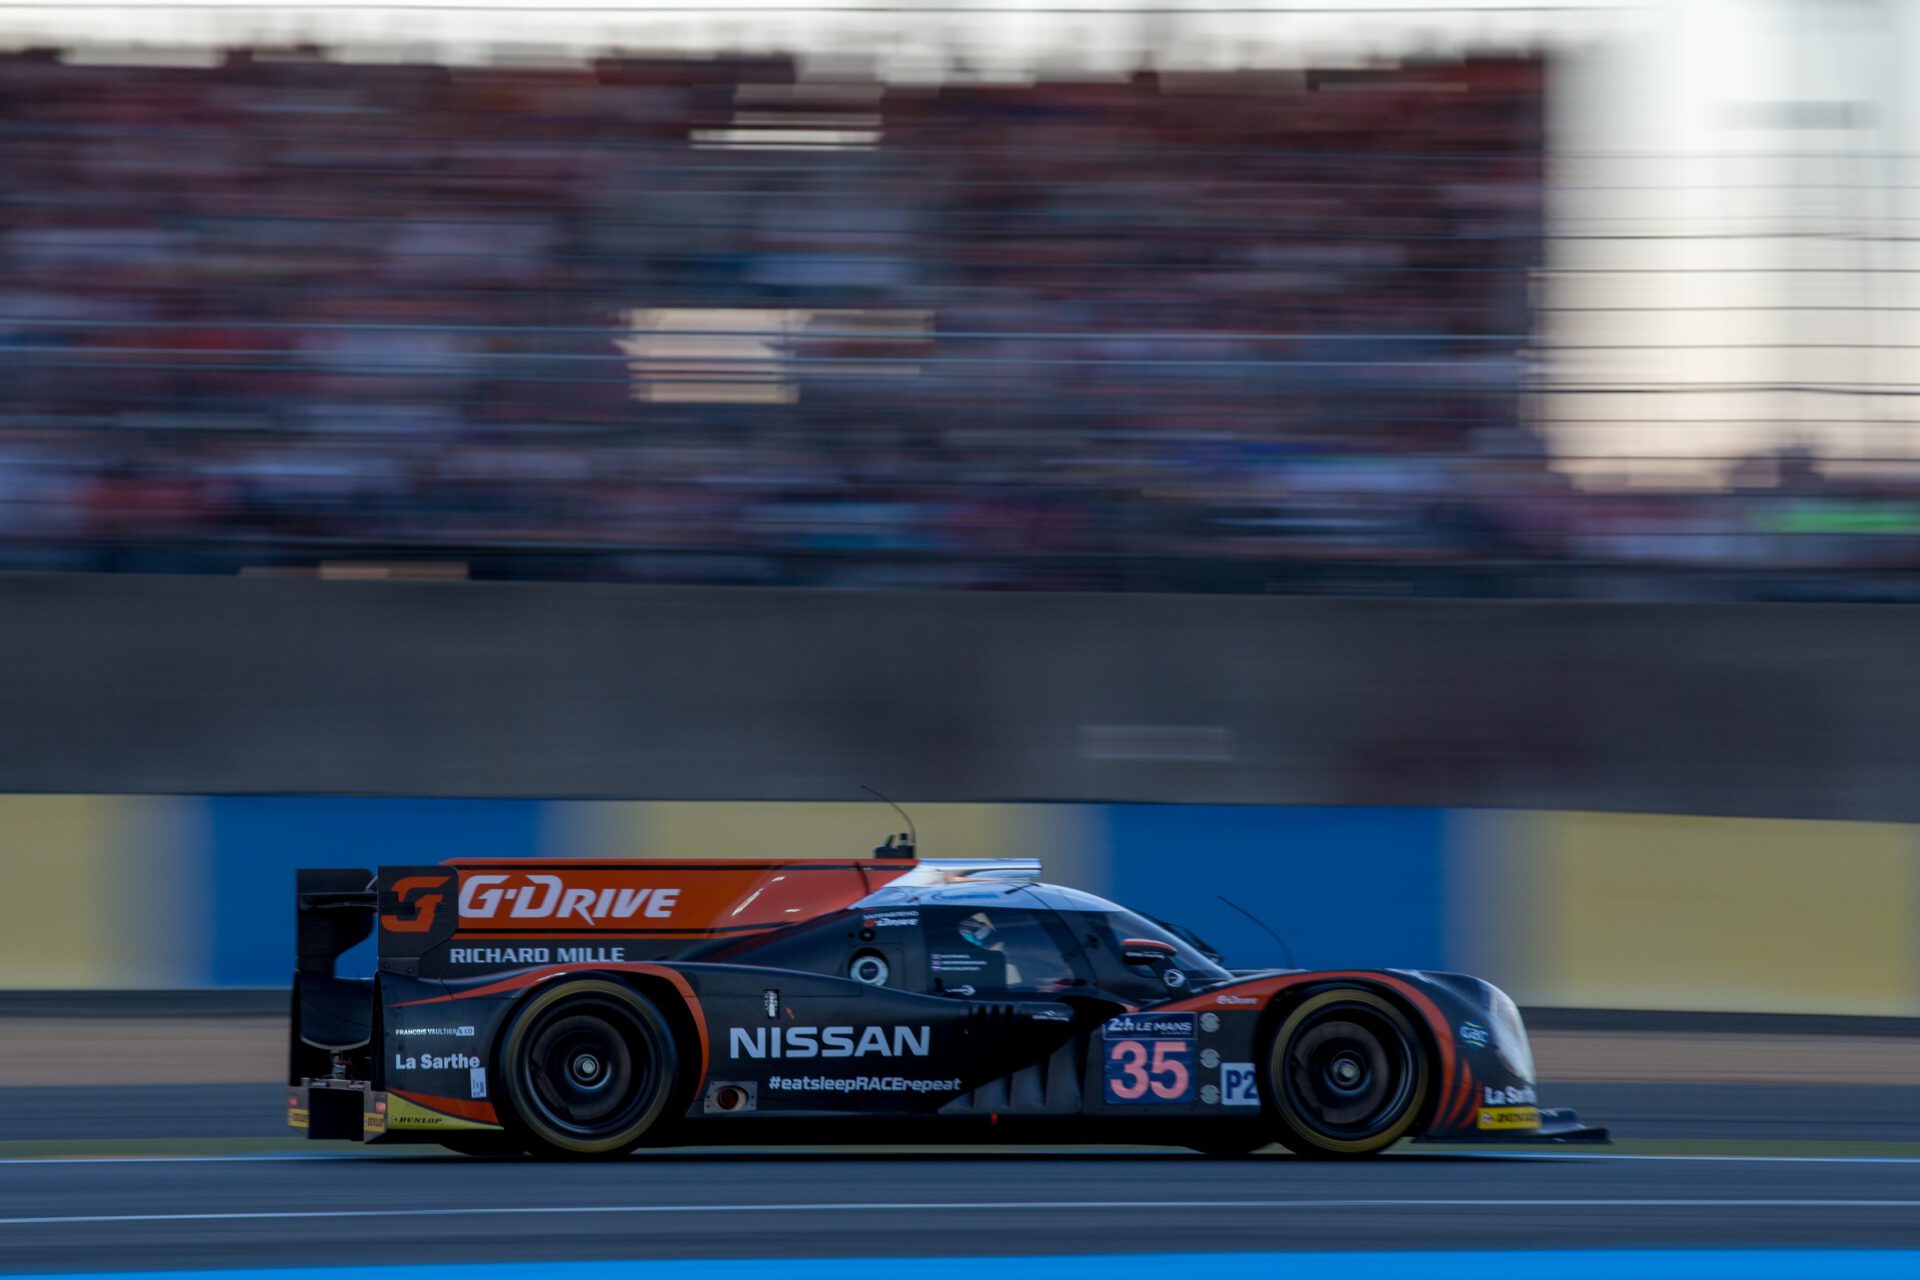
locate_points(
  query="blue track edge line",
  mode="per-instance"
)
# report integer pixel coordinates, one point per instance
(1567, 1264)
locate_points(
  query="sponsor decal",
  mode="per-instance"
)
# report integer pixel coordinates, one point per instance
(1509, 1118)
(298, 1117)
(1209, 1058)
(464, 1033)
(1210, 1094)
(1239, 1086)
(957, 962)
(435, 1062)
(1051, 1015)
(1237, 1000)
(770, 998)
(1149, 1058)
(1174, 978)
(860, 1084)
(1472, 1033)
(542, 896)
(1149, 1026)
(869, 970)
(891, 920)
(402, 1114)
(477, 1082)
(829, 1042)
(1511, 1096)
(424, 905)
(373, 1122)
(959, 991)
(1209, 1021)
(536, 955)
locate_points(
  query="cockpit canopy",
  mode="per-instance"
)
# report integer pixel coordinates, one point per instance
(986, 937)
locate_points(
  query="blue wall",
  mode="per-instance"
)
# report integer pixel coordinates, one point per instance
(1341, 886)
(256, 843)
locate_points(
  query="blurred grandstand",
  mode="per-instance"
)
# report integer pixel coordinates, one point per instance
(711, 320)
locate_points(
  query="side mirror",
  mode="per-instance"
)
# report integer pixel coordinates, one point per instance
(1146, 951)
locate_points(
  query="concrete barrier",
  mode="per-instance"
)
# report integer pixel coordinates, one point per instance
(212, 686)
(1484, 786)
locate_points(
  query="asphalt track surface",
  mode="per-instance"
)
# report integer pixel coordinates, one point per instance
(1827, 1113)
(93, 1215)
(343, 1205)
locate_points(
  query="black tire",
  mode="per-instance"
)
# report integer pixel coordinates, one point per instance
(1347, 1075)
(587, 1069)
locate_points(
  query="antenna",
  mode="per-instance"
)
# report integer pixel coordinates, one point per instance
(913, 834)
(1264, 925)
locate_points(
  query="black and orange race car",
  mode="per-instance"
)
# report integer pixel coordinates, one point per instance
(588, 1008)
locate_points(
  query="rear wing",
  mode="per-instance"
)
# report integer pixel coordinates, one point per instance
(331, 1015)
(333, 912)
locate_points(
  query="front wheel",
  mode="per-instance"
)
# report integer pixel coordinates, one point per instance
(588, 1068)
(1346, 1074)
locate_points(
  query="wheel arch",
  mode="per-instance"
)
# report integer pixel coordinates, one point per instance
(669, 992)
(1285, 1000)
(679, 1006)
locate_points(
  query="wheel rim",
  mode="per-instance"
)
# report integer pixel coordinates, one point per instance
(1349, 1073)
(591, 1069)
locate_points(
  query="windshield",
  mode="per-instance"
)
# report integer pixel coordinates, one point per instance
(1118, 925)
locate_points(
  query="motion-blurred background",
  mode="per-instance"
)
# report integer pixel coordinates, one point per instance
(449, 429)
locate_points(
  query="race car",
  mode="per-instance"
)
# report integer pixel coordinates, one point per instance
(583, 1009)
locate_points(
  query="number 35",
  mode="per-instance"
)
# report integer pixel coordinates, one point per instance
(1165, 1073)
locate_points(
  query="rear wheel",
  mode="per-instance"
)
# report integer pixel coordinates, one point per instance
(1347, 1074)
(588, 1068)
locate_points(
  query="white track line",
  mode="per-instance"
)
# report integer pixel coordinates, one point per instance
(283, 1215)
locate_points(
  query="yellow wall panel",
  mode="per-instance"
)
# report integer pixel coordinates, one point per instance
(593, 829)
(835, 829)
(1061, 834)
(57, 919)
(1726, 913)
(102, 893)
(1495, 884)
(163, 915)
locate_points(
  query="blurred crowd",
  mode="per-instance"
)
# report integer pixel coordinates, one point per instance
(722, 321)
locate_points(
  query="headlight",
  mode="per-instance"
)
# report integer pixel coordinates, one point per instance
(1510, 1036)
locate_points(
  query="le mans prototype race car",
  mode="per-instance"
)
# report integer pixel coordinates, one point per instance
(583, 1009)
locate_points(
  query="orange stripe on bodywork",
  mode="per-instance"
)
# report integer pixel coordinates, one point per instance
(534, 977)
(464, 1108)
(709, 898)
(1462, 1107)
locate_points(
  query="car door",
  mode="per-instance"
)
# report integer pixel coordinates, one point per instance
(1019, 971)
(822, 1018)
